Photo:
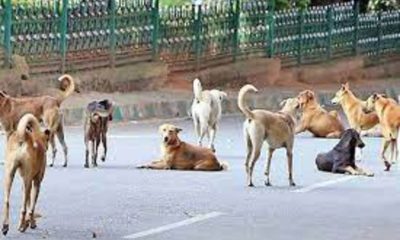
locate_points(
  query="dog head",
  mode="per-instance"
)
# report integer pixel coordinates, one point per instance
(65, 82)
(340, 94)
(169, 134)
(369, 105)
(351, 139)
(305, 97)
(290, 104)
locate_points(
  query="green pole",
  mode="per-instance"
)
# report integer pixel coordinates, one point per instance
(198, 16)
(236, 29)
(379, 42)
(271, 30)
(156, 27)
(112, 34)
(63, 34)
(7, 33)
(300, 40)
(330, 27)
(356, 26)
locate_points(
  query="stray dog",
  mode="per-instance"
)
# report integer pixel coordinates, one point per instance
(388, 112)
(98, 114)
(206, 112)
(179, 155)
(291, 107)
(353, 108)
(44, 108)
(317, 120)
(277, 129)
(25, 152)
(341, 159)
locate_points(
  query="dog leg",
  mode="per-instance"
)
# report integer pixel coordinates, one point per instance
(86, 153)
(385, 145)
(94, 152)
(249, 146)
(358, 154)
(257, 142)
(61, 139)
(23, 223)
(104, 141)
(54, 149)
(351, 170)
(268, 165)
(8, 180)
(364, 172)
(393, 151)
(207, 165)
(213, 131)
(289, 156)
(35, 195)
(159, 165)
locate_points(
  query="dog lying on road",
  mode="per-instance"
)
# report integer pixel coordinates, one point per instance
(44, 108)
(98, 114)
(341, 159)
(388, 112)
(277, 129)
(179, 155)
(25, 152)
(206, 112)
(317, 120)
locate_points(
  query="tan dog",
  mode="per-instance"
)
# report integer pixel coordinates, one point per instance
(277, 129)
(353, 108)
(44, 108)
(317, 120)
(388, 112)
(25, 152)
(176, 154)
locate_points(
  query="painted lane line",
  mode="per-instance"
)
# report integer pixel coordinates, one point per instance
(168, 227)
(323, 184)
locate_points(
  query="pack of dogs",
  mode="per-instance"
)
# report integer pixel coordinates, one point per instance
(31, 124)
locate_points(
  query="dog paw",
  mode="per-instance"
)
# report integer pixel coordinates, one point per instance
(65, 165)
(387, 165)
(23, 226)
(33, 224)
(51, 165)
(86, 165)
(292, 184)
(103, 158)
(250, 184)
(267, 183)
(5, 229)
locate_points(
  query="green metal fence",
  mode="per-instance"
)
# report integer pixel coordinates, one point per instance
(67, 35)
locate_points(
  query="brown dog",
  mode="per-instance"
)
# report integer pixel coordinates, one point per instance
(25, 152)
(353, 108)
(98, 114)
(44, 108)
(277, 129)
(177, 154)
(317, 120)
(388, 112)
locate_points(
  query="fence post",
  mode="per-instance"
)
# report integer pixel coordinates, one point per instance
(356, 26)
(330, 27)
(156, 26)
(198, 15)
(236, 29)
(112, 34)
(271, 29)
(63, 34)
(7, 33)
(300, 37)
(379, 42)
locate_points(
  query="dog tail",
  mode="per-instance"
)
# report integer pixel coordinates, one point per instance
(241, 101)
(28, 120)
(197, 89)
(224, 165)
(70, 88)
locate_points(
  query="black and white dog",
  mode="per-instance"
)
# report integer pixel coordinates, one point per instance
(341, 159)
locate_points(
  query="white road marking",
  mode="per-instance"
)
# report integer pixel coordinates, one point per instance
(323, 184)
(171, 226)
(132, 136)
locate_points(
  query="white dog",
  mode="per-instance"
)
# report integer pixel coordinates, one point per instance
(206, 112)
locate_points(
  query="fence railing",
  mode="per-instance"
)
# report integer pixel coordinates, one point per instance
(69, 33)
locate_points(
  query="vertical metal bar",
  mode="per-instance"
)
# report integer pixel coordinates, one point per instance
(236, 22)
(112, 33)
(330, 28)
(7, 33)
(63, 34)
(271, 30)
(379, 42)
(198, 16)
(300, 37)
(356, 10)
(156, 27)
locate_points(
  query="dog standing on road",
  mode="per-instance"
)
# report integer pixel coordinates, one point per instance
(277, 129)
(388, 112)
(341, 159)
(179, 155)
(317, 120)
(26, 152)
(206, 112)
(98, 114)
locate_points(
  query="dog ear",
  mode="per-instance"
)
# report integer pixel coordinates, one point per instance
(3, 94)
(346, 86)
(375, 96)
(310, 95)
(222, 95)
(178, 130)
(282, 103)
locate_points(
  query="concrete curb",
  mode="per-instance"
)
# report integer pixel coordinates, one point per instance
(180, 109)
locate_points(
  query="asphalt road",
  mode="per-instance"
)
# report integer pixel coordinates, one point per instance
(116, 200)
